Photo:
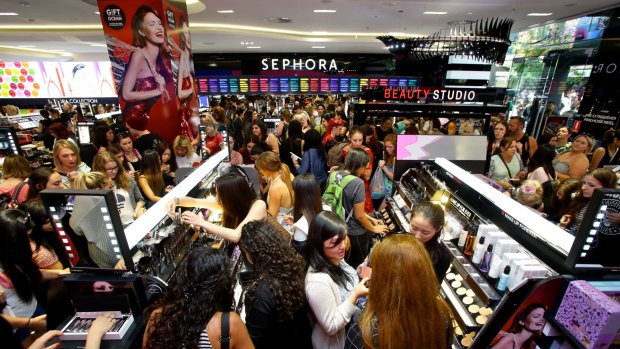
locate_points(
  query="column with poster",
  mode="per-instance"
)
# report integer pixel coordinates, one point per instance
(150, 49)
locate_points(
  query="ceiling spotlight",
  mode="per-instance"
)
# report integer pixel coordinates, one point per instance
(324, 11)
(254, 47)
(226, 11)
(8, 14)
(318, 46)
(97, 13)
(539, 14)
(435, 12)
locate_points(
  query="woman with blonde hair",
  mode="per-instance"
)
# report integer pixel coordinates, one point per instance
(87, 220)
(214, 141)
(280, 195)
(403, 281)
(574, 163)
(186, 157)
(128, 197)
(15, 170)
(530, 195)
(67, 161)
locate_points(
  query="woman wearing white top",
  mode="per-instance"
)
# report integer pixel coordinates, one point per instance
(332, 286)
(506, 164)
(305, 186)
(186, 157)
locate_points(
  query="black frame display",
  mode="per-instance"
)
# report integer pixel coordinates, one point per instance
(53, 199)
(8, 134)
(597, 238)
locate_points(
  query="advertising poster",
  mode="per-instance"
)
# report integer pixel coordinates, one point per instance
(150, 50)
(56, 80)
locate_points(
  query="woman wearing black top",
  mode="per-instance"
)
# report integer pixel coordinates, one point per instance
(427, 220)
(292, 144)
(275, 302)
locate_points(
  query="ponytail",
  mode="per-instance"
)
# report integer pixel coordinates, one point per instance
(285, 175)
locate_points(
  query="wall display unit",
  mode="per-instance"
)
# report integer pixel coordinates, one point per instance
(218, 85)
(500, 252)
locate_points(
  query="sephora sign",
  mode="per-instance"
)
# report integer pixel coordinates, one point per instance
(298, 64)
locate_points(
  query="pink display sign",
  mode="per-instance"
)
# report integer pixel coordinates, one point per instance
(56, 79)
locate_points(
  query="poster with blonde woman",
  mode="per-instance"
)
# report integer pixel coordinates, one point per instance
(150, 50)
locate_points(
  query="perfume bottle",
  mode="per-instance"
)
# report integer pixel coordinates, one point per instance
(470, 242)
(478, 251)
(463, 237)
(503, 279)
(486, 259)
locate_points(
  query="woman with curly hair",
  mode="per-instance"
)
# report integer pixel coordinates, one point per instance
(189, 314)
(275, 304)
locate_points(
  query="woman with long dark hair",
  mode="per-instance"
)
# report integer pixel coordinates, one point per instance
(305, 186)
(540, 168)
(103, 137)
(404, 309)
(132, 155)
(292, 144)
(239, 205)
(21, 277)
(43, 239)
(189, 314)
(259, 128)
(525, 329)
(43, 178)
(313, 159)
(168, 162)
(427, 221)
(599, 178)
(356, 139)
(275, 302)
(151, 179)
(332, 286)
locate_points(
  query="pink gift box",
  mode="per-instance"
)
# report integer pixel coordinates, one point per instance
(589, 315)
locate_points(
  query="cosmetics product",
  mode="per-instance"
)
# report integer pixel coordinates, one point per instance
(466, 341)
(470, 243)
(470, 293)
(458, 277)
(463, 237)
(486, 259)
(473, 308)
(461, 291)
(503, 280)
(456, 284)
(485, 311)
(526, 272)
(481, 319)
(468, 300)
(450, 276)
(478, 251)
(458, 331)
(500, 248)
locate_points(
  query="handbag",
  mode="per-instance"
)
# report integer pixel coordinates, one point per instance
(377, 185)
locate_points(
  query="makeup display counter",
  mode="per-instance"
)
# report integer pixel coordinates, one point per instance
(505, 257)
(149, 249)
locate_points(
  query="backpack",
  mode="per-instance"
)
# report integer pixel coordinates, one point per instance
(334, 193)
(334, 156)
(9, 201)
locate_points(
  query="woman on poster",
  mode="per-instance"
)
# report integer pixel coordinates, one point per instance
(525, 329)
(185, 81)
(147, 72)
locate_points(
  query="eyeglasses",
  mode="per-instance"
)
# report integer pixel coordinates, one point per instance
(113, 169)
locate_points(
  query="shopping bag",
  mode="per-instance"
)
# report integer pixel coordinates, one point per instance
(377, 185)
